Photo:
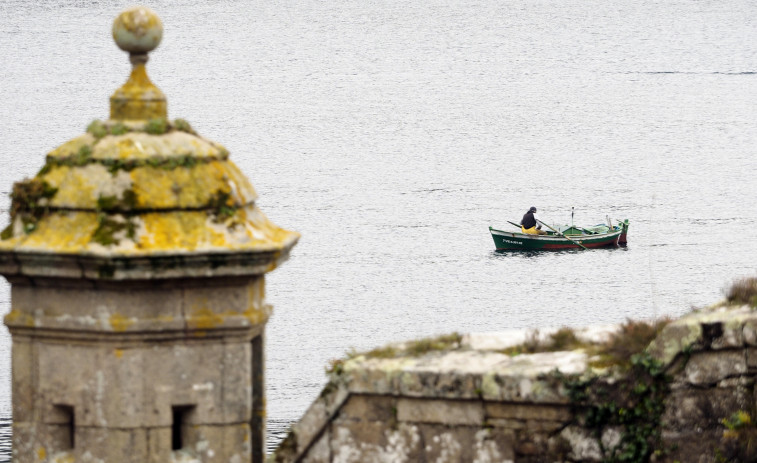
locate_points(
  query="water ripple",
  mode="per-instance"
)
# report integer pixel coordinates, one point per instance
(392, 133)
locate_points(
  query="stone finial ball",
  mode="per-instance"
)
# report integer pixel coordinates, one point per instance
(137, 30)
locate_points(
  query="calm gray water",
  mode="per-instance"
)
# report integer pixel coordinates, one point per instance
(392, 134)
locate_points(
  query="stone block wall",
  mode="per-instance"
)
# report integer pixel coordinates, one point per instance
(150, 371)
(713, 358)
(471, 400)
(385, 428)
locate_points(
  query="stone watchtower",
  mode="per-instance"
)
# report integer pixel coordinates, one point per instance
(137, 260)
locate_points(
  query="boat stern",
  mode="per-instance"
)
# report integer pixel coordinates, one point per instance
(623, 239)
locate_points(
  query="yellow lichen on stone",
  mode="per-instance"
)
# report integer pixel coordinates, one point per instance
(158, 183)
(158, 187)
(65, 232)
(137, 30)
(193, 187)
(258, 315)
(41, 453)
(256, 292)
(240, 186)
(156, 233)
(185, 188)
(203, 319)
(239, 232)
(138, 98)
(259, 228)
(72, 147)
(118, 353)
(17, 235)
(140, 185)
(81, 187)
(18, 318)
(120, 323)
(63, 457)
(120, 147)
(55, 177)
(138, 145)
(160, 233)
(257, 311)
(179, 230)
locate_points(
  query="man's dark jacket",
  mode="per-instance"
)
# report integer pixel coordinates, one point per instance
(528, 221)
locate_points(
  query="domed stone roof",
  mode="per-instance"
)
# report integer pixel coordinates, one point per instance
(138, 186)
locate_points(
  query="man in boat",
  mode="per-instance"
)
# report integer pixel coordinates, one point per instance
(530, 225)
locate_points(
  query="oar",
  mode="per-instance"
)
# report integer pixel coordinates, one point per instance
(563, 235)
(513, 224)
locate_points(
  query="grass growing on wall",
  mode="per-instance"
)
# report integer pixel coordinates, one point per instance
(632, 337)
(743, 291)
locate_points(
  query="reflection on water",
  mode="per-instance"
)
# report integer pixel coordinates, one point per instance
(5, 439)
(541, 254)
(392, 133)
(277, 431)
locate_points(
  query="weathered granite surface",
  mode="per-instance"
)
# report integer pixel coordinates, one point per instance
(137, 258)
(471, 400)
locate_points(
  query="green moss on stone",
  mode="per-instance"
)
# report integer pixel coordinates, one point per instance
(82, 157)
(629, 398)
(179, 161)
(183, 126)
(739, 439)
(154, 162)
(7, 232)
(29, 201)
(108, 228)
(119, 129)
(97, 129)
(631, 338)
(127, 202)
(157, 126)
(411, 349)
(382, 352)
(561, 340)
(633, 404)
(129, 199)
(30, 195)
(115, 165)
(29, 223)
(45, 169)
(221, 206)
(440, 343)
(106, 203)
(335, 367)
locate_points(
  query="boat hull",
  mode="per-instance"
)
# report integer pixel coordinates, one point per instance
(511, 241)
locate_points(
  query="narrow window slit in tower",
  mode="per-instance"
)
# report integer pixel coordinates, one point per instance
(180, 425)
(64, 435)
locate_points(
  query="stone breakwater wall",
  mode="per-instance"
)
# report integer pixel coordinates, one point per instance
(689, 397)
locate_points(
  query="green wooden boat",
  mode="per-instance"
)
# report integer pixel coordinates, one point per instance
(566, 237)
